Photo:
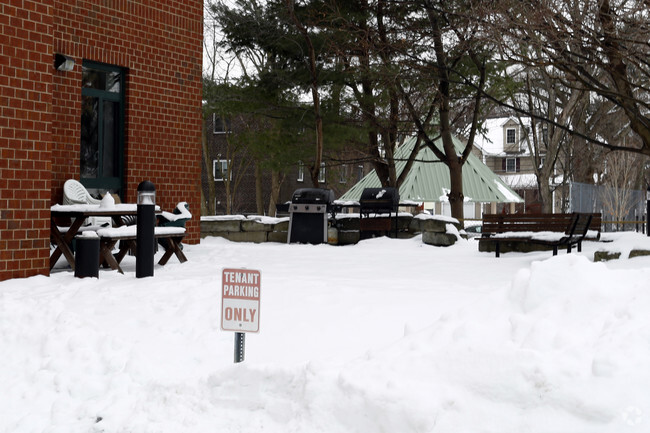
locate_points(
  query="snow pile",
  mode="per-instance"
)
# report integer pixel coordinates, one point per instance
(181, 212)
(444, 218)
(388, 335)
(107, 202)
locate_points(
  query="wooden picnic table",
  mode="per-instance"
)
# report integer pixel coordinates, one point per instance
(62, 236)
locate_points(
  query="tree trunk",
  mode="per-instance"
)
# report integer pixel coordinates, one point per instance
(545, 194)
(452, 160)
(276, 182)
(227, 183)
(455, 195)
(456, 198)
(259, 201)
(204, 207)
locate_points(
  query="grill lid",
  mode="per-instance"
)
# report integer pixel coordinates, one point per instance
(313, 196)
(379, 197)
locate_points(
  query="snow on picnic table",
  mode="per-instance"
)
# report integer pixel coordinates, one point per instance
(386, 335)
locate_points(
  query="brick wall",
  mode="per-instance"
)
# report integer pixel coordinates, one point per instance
(25, 136)
(160, 44)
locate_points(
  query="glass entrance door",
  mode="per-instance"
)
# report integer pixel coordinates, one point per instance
(102, 128)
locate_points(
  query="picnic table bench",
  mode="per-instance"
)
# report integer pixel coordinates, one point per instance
(109, 237)
(547, 230)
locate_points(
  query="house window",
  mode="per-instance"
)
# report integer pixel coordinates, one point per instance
(321, 173)
(221, 125)
(544, 134)
(343, 174)
(512, 165)
(359, 172)
(220, 169)
(511, 136)
(301, 172)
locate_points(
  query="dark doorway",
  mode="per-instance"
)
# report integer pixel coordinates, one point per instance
(102, 128)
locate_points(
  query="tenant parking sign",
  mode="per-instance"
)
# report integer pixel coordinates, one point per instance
(240, 300)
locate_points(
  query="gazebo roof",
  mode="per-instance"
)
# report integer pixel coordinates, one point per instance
(428, 179)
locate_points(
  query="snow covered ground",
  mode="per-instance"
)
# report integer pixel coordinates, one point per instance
(384, 336)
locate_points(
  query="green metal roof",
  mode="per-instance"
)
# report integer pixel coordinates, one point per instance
(428, 179)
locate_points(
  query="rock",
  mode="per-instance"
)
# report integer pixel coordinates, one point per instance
(639, 253)
(278, 236)
(348, 237)
(438, 239)
(282, 226)
(257, 237)
(217, 226)
(603, 256)
(348, 223)
(255, 226)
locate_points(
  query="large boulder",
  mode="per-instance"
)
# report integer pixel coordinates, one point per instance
(439, 239)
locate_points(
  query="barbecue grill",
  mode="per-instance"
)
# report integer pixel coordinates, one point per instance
(308, 215)
(378, 201)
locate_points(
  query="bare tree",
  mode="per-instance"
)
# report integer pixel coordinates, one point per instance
(619, 179)
(600, 46)
(552, 104)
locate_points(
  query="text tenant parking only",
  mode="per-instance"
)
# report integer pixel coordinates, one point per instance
(240, 304)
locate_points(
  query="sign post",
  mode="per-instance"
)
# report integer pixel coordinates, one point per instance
(240, 305)
(240, 346)
(647, 212)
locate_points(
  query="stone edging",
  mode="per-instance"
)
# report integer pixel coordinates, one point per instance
(439, 231)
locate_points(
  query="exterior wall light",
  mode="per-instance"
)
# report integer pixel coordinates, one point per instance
(63, 63)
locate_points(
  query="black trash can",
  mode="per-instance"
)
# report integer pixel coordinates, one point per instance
(308, 214)
(86, 258)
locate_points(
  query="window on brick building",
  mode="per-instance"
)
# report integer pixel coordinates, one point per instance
(221, 125)
(321, 173)
(343, 174)
(102, 127)
(301, 172)
(220, 169)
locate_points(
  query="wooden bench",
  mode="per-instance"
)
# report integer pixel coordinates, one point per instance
(108, 237)
(551, 230)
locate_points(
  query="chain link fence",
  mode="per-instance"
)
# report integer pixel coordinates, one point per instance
(621, 209)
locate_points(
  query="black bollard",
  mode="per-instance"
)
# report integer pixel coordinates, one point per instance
(86, 257)
(145, 240)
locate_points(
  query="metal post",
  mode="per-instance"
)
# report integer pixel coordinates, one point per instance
(647, 212)
(145, 240)
(240, 345)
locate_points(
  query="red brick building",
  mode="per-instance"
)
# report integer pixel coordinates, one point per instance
(129, 109)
